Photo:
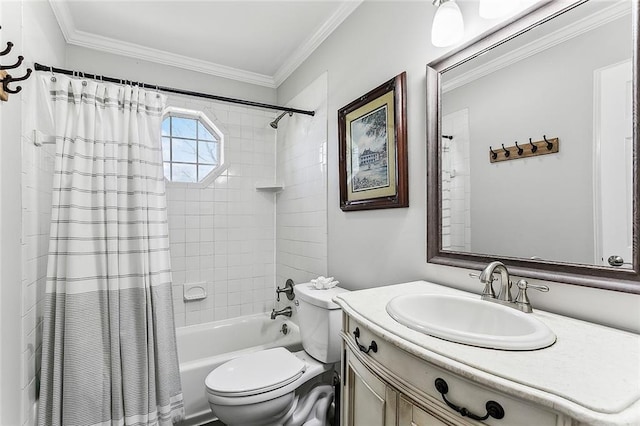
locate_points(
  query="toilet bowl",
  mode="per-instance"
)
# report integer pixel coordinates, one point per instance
(276, 387)
(259, 389)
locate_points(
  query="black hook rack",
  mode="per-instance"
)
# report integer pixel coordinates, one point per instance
(520, 150)
(494, 155)
(7, 78)
(8, 49)
(532, 149)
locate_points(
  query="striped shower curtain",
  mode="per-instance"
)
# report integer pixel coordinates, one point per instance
(109, 350)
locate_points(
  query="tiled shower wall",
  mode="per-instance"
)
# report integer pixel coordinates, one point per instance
(223, 235)
(301, 208)
(456, 183)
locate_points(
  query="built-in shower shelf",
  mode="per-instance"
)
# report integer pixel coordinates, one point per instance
(270, 187)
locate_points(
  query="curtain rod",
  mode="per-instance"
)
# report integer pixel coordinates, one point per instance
(40, 67)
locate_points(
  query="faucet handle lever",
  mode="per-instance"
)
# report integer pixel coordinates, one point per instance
(523, 285)
(477, 275)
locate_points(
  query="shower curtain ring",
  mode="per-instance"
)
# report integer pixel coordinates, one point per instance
(53, 77)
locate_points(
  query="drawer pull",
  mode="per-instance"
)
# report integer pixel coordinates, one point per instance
(494, 409)
(372, 347)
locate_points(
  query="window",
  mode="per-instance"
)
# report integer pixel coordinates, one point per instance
(191, 146)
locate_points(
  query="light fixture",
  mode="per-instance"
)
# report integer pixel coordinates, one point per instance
(448, 27)
(492, 9)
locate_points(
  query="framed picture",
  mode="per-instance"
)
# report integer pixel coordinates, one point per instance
(372, 137)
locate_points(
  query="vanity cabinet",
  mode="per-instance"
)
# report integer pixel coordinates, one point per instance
(391, 387)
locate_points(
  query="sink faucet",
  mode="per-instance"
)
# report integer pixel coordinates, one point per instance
(486, 278)
(521, 301)
(287, 312)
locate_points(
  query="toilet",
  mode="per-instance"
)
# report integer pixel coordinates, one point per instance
(278, 387)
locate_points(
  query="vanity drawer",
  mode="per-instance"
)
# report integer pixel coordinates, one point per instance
(416, 378)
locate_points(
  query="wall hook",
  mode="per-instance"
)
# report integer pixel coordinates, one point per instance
(8, 79)
(16, 65)
(7, 50)
(549, 144)
(494, 155)
(520, 150)
(534, 148)
(506, 151)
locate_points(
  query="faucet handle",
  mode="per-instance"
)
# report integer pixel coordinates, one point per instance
(522, 300)
(477, 275)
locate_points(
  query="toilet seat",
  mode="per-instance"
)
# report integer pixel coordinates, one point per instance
(255, 373)
(311, 368)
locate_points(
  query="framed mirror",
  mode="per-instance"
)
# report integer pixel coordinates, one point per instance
(532, 144)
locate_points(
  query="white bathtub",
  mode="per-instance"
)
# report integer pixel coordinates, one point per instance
(203, 347)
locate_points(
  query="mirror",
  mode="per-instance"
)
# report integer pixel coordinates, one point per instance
(532, 136)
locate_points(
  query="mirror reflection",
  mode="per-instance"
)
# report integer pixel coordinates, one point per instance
(571, 79)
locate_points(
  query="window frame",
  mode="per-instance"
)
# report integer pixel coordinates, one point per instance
(201, 117)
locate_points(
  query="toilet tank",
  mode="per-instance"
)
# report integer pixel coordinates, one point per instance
(320, 321)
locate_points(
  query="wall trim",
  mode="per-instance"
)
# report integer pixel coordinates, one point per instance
(110, 45)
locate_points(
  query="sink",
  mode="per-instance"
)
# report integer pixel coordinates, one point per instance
(471, 321)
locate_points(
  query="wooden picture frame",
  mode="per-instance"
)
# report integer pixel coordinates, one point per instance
(372, 138)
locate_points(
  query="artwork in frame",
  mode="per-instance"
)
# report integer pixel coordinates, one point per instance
(372, 137)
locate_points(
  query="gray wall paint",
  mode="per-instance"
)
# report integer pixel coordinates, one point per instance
(540, 206)
(374, 248)
(95, 62)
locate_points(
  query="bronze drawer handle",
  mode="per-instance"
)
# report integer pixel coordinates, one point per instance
(494, 409)
(372, 347)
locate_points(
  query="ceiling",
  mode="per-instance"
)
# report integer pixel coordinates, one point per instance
(259, 42)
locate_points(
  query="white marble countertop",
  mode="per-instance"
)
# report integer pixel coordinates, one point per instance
(591, 373)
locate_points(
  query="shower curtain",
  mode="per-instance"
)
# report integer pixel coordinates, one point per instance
(109, 351)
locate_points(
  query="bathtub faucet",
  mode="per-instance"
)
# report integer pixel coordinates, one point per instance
(287, 312)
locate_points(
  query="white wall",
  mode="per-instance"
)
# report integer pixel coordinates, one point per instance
(10, 253)
(111, 65)
(301, 208)
(542, 206)
(378, 41)
(25, 207)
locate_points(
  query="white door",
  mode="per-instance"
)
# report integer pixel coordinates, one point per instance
(613, 184)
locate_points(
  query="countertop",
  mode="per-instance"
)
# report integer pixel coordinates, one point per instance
(591, 373)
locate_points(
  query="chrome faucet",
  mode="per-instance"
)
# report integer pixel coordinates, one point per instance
(287, 312)
(486, 278)
(521, 301)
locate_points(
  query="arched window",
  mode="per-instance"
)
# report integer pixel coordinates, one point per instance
(192, 147)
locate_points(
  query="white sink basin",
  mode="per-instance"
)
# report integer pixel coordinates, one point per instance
(471, 321)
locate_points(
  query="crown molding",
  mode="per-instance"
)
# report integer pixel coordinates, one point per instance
(568, 32)
(110, 45)
(312, 43)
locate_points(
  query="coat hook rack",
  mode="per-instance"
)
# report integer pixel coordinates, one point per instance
(6, 78)
(532, 149)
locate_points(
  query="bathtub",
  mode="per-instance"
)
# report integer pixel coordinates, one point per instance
(203, 347)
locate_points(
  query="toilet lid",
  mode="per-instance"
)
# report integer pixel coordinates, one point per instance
(254, 373)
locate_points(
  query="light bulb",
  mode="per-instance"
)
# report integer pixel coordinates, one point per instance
(448, 27)
(492, 9)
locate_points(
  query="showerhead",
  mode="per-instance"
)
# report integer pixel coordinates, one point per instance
(274, 123)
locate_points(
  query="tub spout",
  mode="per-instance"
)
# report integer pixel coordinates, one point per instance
(287, 312)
